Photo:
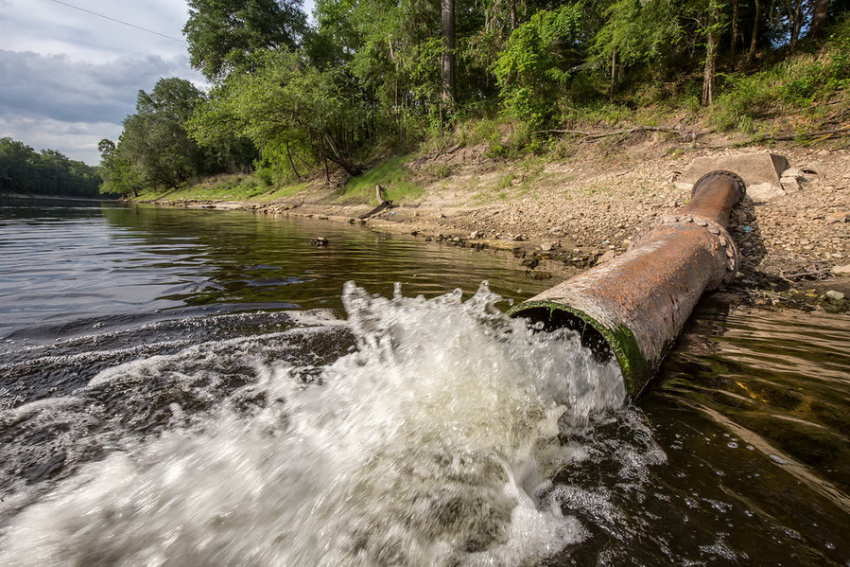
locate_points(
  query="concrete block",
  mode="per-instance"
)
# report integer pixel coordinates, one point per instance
(761, 171)
(790, 184)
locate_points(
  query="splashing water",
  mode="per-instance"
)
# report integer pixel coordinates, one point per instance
(432, 441)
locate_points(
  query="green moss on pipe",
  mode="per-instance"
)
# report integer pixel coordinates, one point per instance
(636, 369)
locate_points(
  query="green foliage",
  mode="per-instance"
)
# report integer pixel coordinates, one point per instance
(23, 170)
(474, 132)
(288, 103)
(155, 150)
(536, 66)
(837, 69)
(120, 176)
(638, 32)
(223, 34)
(391, 174)
(794, 83)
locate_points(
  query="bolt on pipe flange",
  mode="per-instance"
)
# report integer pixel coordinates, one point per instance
(724, 240)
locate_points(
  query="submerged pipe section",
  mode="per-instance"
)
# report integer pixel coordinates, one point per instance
(634, 306)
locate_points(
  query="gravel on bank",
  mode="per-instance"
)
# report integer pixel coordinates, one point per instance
(559, 216)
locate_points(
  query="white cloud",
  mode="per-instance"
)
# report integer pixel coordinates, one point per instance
(68, 78)
(56, 87)
(77, 140)
(50, 28)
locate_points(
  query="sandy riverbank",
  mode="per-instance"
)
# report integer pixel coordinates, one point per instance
(558, 216)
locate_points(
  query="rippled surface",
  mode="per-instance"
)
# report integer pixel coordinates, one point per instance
(194, 388)
(752, 407)
(65, 268)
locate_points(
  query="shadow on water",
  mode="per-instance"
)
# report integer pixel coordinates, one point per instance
(751, 410)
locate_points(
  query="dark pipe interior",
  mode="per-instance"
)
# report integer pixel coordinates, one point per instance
(557, 319)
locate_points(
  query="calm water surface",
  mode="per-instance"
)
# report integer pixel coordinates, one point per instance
(184, 387)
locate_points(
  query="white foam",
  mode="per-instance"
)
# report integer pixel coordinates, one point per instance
(429, 445)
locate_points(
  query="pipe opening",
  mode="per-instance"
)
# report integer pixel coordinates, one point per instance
(552, 319)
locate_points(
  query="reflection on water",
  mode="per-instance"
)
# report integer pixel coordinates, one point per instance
(118, 265)
(173, 393)
(257, 259)
(752, 407)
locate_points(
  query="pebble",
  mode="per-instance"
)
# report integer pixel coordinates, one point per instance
(834, 295)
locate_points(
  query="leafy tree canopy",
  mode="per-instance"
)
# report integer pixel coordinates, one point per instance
(154, 148)
(222, 34)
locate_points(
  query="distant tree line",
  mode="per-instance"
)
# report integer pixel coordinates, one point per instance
(373, 76)
(155, 150)
(25, 171)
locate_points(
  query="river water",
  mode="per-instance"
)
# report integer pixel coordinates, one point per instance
(201, 388)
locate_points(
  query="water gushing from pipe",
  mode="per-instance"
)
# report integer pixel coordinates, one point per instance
(633, 307)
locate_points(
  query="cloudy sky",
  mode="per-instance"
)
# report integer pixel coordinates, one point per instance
(68, 78)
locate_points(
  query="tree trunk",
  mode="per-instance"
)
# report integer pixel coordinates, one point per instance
(736, 15)
(796, 22)
(447, 62)
(292, 163)
(613, 84)
(513, 15)
(325, 161)
(819, 19)
(711, 54)
(339, 158)
(755, 37)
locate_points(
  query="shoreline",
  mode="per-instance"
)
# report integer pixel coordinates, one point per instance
(33, 197)
(560, 217)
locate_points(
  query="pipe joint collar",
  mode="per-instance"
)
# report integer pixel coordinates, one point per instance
(737, 182)
(721, 236)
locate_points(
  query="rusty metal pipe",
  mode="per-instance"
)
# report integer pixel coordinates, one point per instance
(634, 306)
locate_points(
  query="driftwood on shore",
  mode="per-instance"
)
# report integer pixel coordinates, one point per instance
(691, 135)
(382, 203)
(814, 136)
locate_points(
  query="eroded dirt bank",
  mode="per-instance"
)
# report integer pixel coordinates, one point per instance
(562, 215)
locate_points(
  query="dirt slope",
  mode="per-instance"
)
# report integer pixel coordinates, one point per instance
(562, 214)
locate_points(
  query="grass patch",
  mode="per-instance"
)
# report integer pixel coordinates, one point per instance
(505, 182)
(794, 84)
(223, 188)
(438, 171)
(392, 175)
(286, 191)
